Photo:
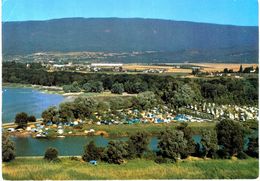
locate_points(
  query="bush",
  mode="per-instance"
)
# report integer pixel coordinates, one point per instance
(241, 155)
(31, 119)
(116, 152)
(8, 149)
(223, 154)
(21, 119)
(51, 154)
(91, 152)
(161, 160)
(74, 158)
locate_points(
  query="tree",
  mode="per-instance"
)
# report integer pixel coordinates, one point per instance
(93, 86)
(50, 114)
(230, 136)
(183, 96)
(240, 69)
(8, 149)
(138, 144)
(116, 152)
(225, 70)
(248, 69)
(74, 87)
(188, 133)
(253, 147)
(117, 88)
(31, 118)
(91, 152)
(66, 111)
(84, 107)
(51, 154)
(145, 100)
(172, 144)
(21, 119)
(209, 143)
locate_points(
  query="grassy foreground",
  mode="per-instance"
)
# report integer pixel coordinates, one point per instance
(38, 169)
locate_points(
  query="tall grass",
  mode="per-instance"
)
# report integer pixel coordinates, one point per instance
(38, 169)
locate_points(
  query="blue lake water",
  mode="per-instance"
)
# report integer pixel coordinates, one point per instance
(69, 145)
(31, 101)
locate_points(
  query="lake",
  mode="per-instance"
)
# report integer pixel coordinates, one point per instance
(69, 146)
(31, 101)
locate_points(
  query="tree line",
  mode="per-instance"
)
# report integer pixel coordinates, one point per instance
(175, 92)
(224, 142)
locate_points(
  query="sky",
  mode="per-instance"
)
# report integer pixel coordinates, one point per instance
(233, 12)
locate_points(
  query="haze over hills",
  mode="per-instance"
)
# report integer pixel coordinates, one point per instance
(172, 41)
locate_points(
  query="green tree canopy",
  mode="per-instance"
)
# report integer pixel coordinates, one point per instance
(92, 152)
(8, 149)
(172, 144)
(50, 114)
(93, 86)
(116, 152)
(117, 88)
(230, 136)
(138, 144)
(21, 119)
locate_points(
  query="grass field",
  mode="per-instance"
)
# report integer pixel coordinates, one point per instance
(38, 169)
(151, 129)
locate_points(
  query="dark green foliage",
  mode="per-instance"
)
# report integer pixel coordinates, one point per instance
(8, 149)
(172, 144)
(168, 89)
(145, 100)
(209, 143)
(230, 136)
(31, 118)
(160, 160)
(248, 69)
(117, 88)
(91, 152)
(116, 152)
(93, 86)
(50, 114)
(253, 147)
(223, 154)
(84, 107)
(74, 87)
(21, 119)
(241, 69)
(51, 154)
(241, 155)
(188, 133)
(66, 111)
(138, 144)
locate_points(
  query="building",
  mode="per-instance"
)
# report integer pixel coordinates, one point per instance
(106, 65)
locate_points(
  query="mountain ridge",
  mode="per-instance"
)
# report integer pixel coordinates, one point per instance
(132, 34)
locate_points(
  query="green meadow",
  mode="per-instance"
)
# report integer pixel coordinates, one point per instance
(67, 169)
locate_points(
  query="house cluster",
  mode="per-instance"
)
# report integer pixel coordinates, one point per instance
(233, 112)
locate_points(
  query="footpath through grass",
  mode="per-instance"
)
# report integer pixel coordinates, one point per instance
(39, 169)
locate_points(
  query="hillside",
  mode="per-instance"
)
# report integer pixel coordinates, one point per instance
(172, 40)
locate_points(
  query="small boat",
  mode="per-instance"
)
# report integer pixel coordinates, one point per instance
(61, 136)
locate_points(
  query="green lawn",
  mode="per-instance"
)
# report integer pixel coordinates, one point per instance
(38, 169)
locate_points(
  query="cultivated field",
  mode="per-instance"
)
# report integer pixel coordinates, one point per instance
(39, 169)
(168, 69)
(213, 67)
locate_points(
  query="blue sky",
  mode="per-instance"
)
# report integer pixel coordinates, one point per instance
(235, 12)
